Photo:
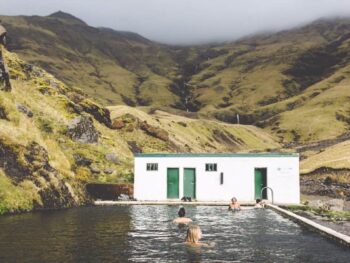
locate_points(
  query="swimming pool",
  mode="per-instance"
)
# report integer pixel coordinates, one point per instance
(141, 233)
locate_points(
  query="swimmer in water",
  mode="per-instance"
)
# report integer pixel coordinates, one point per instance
(194, 234)
(234, 206)
(182, 219)
(259, 204)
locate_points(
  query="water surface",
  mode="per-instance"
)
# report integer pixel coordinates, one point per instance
(145, 234)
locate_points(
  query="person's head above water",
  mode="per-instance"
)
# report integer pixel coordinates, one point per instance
(194, 234)
(234, 200)
(258, 201)
(181, 212)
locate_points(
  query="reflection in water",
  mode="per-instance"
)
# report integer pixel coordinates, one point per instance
(146, 234)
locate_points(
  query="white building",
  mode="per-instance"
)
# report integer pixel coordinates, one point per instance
(218, 177)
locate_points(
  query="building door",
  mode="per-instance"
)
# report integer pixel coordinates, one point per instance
(260, 183)
(173, 183)
(190, 182)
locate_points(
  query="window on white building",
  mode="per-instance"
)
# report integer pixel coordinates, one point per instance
(152, 167)
(211, 167)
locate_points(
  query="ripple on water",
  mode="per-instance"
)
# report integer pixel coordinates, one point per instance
(146, 234)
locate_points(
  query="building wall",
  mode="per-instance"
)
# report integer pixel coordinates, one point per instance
(239, 178)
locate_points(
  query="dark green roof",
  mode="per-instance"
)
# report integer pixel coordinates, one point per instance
(216, 155)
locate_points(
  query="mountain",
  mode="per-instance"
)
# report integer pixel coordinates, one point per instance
(125, 93)
(269, 80)
(54, 139)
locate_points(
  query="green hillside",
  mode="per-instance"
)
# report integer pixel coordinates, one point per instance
(54, 140)
(290, 90)
(270, 80)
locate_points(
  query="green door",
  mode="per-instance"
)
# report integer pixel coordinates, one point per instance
(173, 183)
(190, 182)
(260, 183)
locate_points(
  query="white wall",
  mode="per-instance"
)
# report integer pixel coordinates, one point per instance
(282, 177)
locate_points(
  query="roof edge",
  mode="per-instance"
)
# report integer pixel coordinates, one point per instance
(272, 154)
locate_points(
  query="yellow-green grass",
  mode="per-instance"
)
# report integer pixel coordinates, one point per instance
(17, 198)
(198, 135)
(336, 157)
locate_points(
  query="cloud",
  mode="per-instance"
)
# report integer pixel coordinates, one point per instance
(187, 21)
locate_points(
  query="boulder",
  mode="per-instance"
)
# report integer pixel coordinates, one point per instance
(82, 129)
(315, 203)
(347, 206)
(81, 160)
(108, 171)
(112, 157)
(154, 131)
(94, 169)
(3, 114)
(118, 124)
(335, 204)
(4, 76)
(24, 109)
(100, 113)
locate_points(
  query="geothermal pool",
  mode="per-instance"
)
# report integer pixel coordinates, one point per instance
(141, 233)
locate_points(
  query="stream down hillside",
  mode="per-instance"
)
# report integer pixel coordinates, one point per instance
(76, 102)
(54, 139)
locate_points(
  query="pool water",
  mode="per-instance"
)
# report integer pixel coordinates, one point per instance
(146, 234)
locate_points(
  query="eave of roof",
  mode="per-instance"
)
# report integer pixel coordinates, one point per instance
(220, 155)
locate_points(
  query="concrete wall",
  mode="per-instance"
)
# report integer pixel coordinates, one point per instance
(282, 177)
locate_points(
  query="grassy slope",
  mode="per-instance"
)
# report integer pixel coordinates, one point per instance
(107, 64)
(269, 80)
(294, 83)
(197, 135)
(49, 99)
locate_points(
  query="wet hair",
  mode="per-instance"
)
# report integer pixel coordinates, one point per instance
(181, 212)
(193, 234)
(234, 199)
(258, 201)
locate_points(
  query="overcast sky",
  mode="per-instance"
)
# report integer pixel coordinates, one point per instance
(186, 21)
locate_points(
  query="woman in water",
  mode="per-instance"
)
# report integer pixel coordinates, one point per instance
(194, 234)
(182, 219)
(234, 206)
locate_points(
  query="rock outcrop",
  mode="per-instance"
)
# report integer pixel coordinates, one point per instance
(31, 163)
(82, 129)
(4, 75)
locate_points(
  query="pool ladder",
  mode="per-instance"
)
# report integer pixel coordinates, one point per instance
(266, 189)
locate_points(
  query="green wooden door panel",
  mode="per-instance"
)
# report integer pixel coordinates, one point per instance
(173, 183)
(190, 182)
(260, 183)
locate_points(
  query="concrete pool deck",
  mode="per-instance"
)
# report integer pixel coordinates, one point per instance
(169, 203)
(326, 231)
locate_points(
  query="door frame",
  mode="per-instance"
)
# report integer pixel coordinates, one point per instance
(178, 184)
(195, 181)
(265, 193)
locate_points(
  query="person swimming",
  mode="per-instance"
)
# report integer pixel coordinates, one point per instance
(194, 234)
(234, 206)
(259, 204)
(182, 219)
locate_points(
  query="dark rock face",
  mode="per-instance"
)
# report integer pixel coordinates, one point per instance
(134, 148)
(3, 114)
(81, 160)
(4, 75)
(24, 110)
(154, 131)
(82, 129)
(31, 162)
(101, 114)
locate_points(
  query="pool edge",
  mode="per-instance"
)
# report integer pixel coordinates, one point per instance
(326, 231)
